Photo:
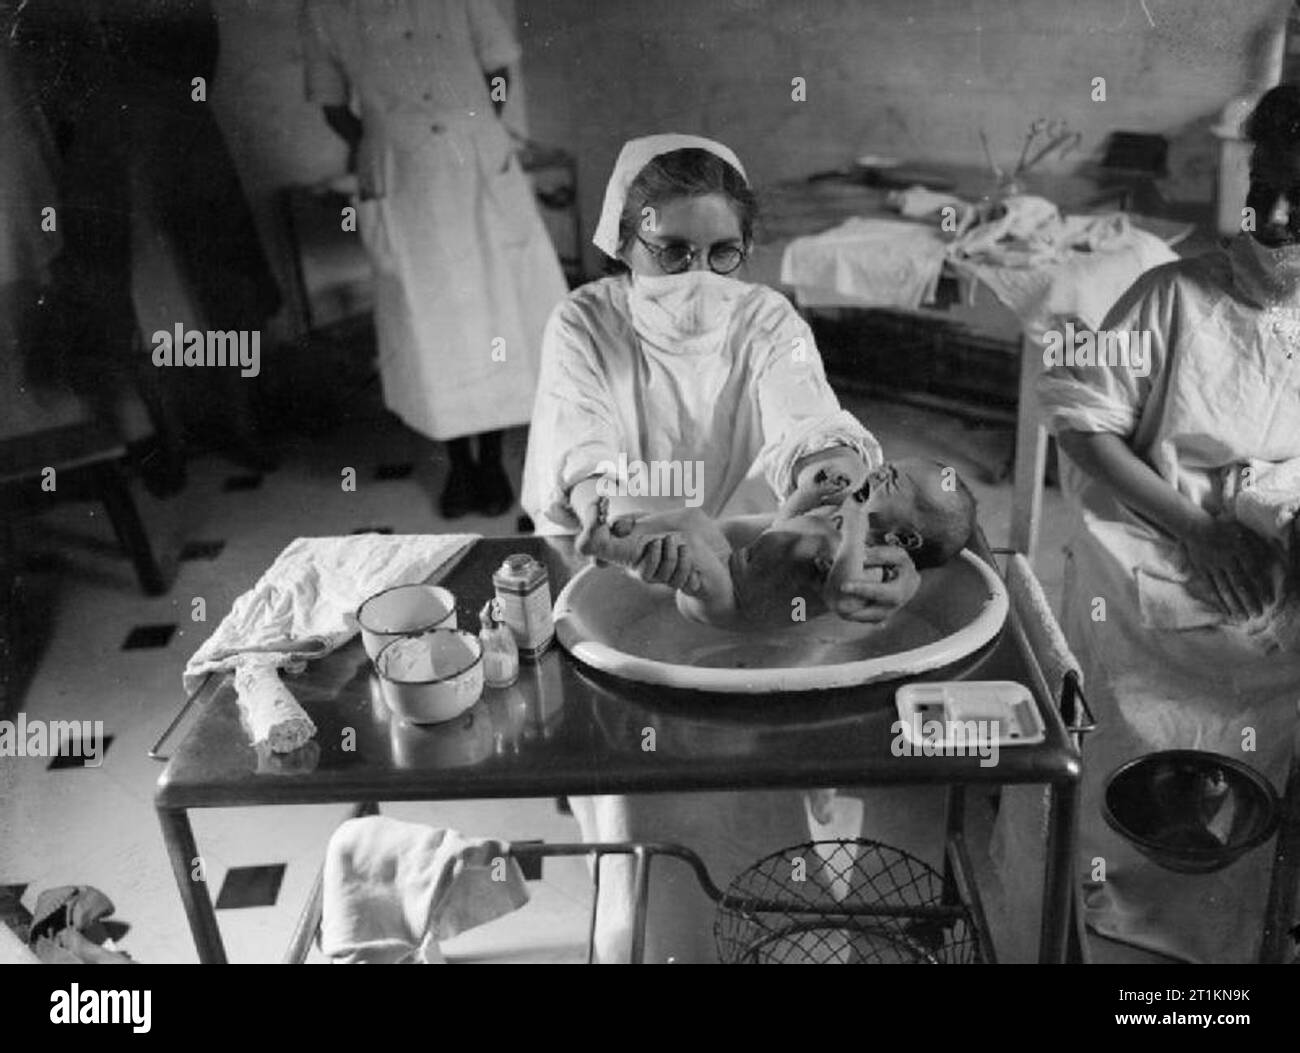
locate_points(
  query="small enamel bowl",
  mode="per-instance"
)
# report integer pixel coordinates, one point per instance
(433, 677)
(404, 610)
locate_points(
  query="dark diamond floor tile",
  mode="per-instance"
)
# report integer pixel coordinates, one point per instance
(241, 482)
(65, 760)
(143, 637)
(251, 887)
(373, 530)
(394, 471)
(192, 550)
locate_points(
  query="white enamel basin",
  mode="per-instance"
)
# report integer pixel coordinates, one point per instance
(616, 623)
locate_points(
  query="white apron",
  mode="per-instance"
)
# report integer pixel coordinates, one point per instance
(465, 271)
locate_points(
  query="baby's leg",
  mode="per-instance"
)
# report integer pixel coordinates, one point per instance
(707, 595)
(624, 540)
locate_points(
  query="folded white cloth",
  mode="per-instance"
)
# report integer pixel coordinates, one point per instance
(392, 890)
(1028, 231)
(270, 712)
(866, 263)
(304, 607)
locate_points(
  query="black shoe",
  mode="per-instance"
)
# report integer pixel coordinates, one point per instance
(495, 497)
(459, 495)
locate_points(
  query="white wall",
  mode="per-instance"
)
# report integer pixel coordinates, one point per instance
(915, 78)
(912, 78)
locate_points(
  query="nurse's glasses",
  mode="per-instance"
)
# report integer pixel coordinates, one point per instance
(677, 256)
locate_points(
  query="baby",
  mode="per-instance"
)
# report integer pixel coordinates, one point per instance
(749, 570)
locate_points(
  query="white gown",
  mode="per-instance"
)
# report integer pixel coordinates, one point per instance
(465, 271)
(1224, 388)
(747, 410)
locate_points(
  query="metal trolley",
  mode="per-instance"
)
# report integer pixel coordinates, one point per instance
(821, 902)
(838, 902)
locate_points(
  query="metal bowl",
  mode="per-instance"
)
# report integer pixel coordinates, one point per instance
(401, 611)
(1190, 811)
(431, 678)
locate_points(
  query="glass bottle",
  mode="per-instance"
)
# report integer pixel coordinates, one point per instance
(500, 652)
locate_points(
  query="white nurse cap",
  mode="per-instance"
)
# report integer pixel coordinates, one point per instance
(634, 156)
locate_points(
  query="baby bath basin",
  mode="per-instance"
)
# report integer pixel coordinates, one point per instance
(617, 624)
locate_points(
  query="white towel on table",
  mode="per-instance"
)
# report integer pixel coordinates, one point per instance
(1074, 284)
(392, 890)
(304, 607)
(866, 263)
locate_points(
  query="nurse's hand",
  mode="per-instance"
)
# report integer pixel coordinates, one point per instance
(873, 597)
(1236, 563)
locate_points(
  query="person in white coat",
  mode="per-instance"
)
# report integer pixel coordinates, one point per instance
(1150, 458)
(678, 367)
(465, 271)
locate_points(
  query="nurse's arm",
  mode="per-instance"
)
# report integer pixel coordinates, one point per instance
(1233, 559)
(1108, 458)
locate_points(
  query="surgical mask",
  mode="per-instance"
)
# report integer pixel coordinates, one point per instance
(668, 309)
(1268, 276)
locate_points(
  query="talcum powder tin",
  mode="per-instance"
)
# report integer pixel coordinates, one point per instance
(523, 589)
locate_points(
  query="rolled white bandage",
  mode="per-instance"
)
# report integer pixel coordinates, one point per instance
(271, 713)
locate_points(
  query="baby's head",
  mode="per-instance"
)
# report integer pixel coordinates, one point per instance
(922, 506)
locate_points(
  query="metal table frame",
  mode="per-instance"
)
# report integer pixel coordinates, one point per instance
(1059, 931)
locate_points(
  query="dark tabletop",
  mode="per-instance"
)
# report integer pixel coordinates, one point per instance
(565, 729)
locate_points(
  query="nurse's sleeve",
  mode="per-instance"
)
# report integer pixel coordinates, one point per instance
(494, 40)
(1105, 398)
(325, 79)
(574, 433)
(799, 412)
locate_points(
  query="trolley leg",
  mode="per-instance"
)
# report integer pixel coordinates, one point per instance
(641, 891)
(956, 828)
(183, 852)
(1058, 877)
(1279, 914)
(595, 906)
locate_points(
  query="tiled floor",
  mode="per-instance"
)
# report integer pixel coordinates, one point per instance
(101, 650)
